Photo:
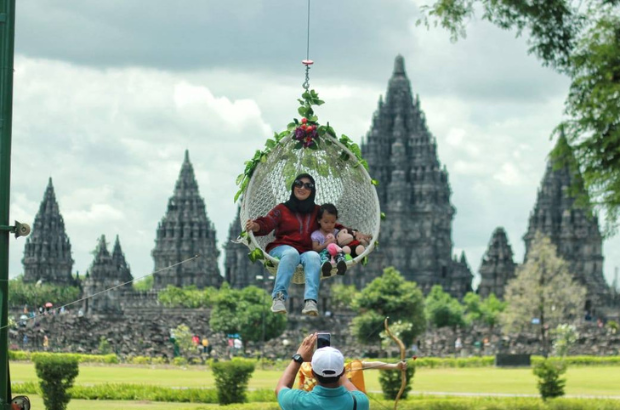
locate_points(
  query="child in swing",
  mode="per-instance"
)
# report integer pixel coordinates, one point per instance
(327, 218)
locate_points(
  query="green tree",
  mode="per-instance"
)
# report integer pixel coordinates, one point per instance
(245, 312)
(442, 310)
(342, 296)
(144, 284)
(183, 337)
(187, 297)
(486, 311)
(35, 295)
(56, 375)
(389, 295)
(565, 336)
(543, 289)
(580, 39)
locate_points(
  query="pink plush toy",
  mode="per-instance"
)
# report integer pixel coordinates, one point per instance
(337, 258)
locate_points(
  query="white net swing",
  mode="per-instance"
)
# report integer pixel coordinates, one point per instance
(340, 179)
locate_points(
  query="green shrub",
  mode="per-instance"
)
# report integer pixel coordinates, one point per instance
(18, 355)
(231, 380)
(179, 361)
(390, 381)
(550, 385)
(613, 326)
(104, 346)
(140, 360)
(56, 374)
(158, 360)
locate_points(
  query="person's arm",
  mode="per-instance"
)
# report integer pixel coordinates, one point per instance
(265, 224)
(346, 383)
(305, 350)
(317, 247)
(384, 366)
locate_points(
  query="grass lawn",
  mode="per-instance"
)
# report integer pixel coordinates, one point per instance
(37, 403)
(590, 381)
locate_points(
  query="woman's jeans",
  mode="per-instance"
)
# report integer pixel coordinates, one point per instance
(289, 259)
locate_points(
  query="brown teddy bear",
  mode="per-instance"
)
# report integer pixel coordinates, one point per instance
(349, 244)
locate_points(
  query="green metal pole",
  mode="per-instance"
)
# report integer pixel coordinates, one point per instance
(7, 44)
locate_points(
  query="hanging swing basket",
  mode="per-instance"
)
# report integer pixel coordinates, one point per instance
(335, 164)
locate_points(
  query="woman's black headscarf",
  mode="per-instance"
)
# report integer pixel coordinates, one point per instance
(307, 205)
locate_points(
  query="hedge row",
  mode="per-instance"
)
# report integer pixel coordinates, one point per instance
(498, 403)
(489, 361)
(425, 362)
(123, 391)
(18, 355)
(264, 399)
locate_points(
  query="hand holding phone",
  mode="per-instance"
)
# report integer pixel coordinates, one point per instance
(323, 340)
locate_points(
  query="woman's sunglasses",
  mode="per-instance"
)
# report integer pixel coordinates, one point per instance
(307, 185)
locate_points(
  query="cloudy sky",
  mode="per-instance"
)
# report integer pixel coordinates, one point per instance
(108, 95)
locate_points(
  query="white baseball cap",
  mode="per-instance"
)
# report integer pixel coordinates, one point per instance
(328, 362)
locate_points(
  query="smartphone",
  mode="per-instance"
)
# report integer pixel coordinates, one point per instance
(323, 340)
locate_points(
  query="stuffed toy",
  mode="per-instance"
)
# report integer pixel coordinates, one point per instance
(349, 244)
(337, 259)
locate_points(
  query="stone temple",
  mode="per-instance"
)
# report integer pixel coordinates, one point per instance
(47, 253)
(573, 229)
(107, 279)
(414, 192)
(184, 232)
(498, 266)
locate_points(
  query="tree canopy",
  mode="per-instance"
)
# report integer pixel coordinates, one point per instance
(243, 312)
(389, 295)
(442, 310)
(581, 39)
(486, 311)
(543, 289)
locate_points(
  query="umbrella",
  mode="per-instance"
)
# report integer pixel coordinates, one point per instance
(48, 304)
(23, 317)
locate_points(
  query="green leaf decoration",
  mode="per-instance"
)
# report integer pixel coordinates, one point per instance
(365, 261)
(374, 182)
(324, 134)
(383, 216)
(256, 255)
(237, 195)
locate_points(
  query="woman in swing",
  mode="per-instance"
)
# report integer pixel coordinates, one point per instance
(293, 221)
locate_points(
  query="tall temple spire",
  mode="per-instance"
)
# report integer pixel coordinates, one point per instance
(102, 296)
(118, 257)
(498, 266)
(47, 252)
(184, 232)
(573, 229)
(414, 192)
(239, 270)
